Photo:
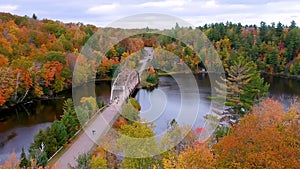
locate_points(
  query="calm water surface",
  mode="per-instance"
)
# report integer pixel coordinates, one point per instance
(165, 112)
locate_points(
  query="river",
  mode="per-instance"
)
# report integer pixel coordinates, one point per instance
(19, 125)
(161, 113)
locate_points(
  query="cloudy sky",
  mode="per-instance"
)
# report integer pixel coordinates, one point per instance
(196, 12)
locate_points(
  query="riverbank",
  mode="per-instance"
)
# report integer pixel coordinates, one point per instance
(174, 73)
(56, 96)
(282, 75)
(148, 85)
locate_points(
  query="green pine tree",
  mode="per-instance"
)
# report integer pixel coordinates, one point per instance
(42, 159)
(24, 163)
(244, 85)
(58, 130)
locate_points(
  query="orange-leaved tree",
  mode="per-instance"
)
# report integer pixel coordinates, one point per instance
(51, 74)
(196, 158)
(3, 60)
(199, 157)
(7, 85)
(266, 138)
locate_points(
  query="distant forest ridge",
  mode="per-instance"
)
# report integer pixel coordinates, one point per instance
(37, 57)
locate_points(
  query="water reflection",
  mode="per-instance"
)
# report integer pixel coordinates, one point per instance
(284, 90)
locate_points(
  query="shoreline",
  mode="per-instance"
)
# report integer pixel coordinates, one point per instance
(57, 95)
(281, 75)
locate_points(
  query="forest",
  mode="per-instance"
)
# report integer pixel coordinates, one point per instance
(37, 60)
(37, 57)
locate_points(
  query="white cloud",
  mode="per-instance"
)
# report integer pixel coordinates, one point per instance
(197, 12)
(8, 8)
(151, 20)
(166, 3)
(284, 6)
(103, 8)
(211, 4)
(178, 9)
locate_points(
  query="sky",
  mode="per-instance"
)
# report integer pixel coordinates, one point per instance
(196, 12)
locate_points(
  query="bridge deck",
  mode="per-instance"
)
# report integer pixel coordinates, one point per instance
(102, 121)
(84, 143)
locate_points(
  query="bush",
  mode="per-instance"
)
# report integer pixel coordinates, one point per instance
(83, 160)
(152, 78)
(135, 103)
(130, 112)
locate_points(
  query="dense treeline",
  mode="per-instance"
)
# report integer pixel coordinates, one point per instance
(36, 56)
(274, 48)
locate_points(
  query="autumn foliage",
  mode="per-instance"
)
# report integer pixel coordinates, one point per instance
(151, 70)
(119, 123)
(266, 138)
(197, 157)
(37, 57)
